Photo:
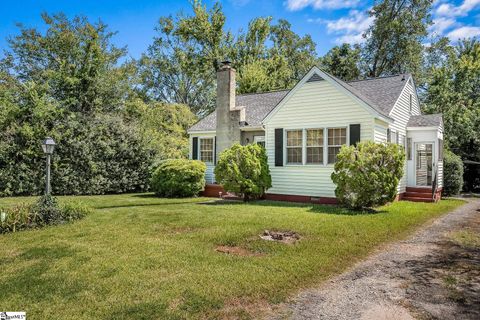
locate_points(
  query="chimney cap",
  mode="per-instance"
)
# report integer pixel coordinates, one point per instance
(226, 62)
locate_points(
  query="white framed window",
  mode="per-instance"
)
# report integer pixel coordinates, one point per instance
(315, 140)
(259, 140)
(294, 146)
(336, 138)
(206, 149)
(394, 137)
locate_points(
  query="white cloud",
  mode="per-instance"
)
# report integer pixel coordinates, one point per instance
(441, 24)
(464, 32)
(349, 29)
(450, 10)
(295, 5)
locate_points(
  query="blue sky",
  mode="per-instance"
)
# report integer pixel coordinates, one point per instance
(329, 22)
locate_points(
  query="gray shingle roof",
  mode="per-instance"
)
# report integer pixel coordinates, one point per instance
(382, 92)
(258, 105)
(379, 93)
(426, 120)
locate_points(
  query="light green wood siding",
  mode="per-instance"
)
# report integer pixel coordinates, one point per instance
(316, 104)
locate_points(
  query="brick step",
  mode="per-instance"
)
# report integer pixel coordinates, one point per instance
(419, 189)
(212, 190)
(417, 199)
(418, 195)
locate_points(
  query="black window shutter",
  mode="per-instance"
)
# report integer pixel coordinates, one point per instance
(195, 148)
(215, 150)
(279, 147)
(354, 134)
(388, 135)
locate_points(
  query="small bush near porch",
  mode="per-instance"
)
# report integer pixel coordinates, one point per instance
(138, 256)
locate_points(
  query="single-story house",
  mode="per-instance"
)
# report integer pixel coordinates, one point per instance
(303, 129)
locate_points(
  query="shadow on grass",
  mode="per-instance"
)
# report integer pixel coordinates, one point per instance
(142, 205)
(34, 282)
(315, 208)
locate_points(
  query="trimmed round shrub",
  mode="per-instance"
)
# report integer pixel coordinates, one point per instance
(244, 170)
(368, 174)
(177, 178)
(452, 173)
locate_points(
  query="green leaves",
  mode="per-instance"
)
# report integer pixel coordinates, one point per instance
(244, 170)
(452, 174)
(453, 88)
(368, 175)
(179, 178)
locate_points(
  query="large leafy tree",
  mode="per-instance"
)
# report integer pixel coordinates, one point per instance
(394, 40)
(73, 62)
(181, 63)
(67, 82)
(453, 88)
(342, 61)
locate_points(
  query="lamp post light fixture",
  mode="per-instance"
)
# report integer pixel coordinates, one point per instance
(48, 145)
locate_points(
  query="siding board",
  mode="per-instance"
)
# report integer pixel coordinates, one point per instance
(314, 105)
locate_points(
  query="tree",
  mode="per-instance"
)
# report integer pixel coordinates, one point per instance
(66, 82)
(454, 90)
(368, 174)
(394, 40)
(244, 170)
(342, 62)
(180, 65)
(73, 62)
(163, 127)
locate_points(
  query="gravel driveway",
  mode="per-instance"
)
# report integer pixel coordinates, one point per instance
(427, 276)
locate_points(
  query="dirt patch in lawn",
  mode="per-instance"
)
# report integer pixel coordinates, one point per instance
(288, 237)
(238, 251)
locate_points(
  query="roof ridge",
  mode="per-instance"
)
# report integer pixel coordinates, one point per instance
(252, 93)
(382, 77)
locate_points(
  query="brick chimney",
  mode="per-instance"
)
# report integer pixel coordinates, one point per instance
(229, 116)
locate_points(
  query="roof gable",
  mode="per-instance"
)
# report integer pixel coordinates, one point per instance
(355, 94)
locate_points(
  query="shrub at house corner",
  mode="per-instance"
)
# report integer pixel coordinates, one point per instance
(178, 178)
(244, 170)
(453, 174)
(368, 174)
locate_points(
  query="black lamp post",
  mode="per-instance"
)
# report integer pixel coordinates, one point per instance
(48, 145)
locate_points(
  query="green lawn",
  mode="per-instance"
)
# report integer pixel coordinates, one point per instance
(142, 257)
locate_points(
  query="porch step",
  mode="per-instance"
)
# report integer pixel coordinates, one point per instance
(212, 190)
(420, 189)
(418, 194)
(417, 199)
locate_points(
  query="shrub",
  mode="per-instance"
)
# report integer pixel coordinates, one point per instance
(45, 211)
(452, 173)
(71, 211)
(244, 170)
(368, 175)
(16, 218)
(178, 178)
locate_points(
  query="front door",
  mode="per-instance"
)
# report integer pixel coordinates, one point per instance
(424, 163)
